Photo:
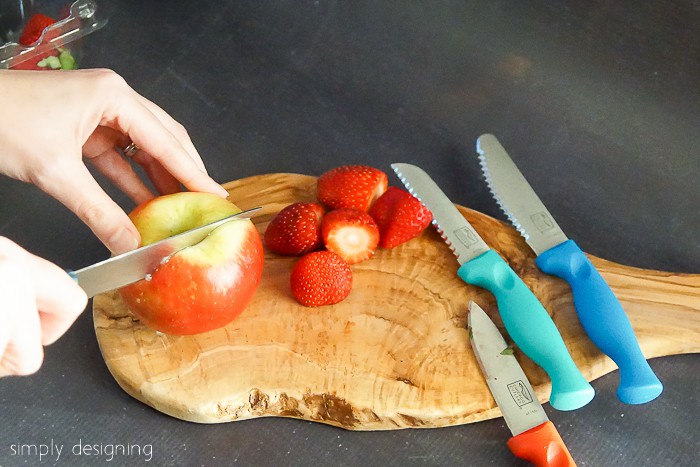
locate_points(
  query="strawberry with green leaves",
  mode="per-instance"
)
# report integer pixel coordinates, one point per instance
(296, 229)
(399, 216)
(55, 59)
(351, 186)
(350, 233)
(321, 278)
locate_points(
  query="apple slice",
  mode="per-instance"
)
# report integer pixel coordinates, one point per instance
(202, 287)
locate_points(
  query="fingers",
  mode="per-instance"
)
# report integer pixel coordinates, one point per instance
(74, 186)
(176, 129)
(163, 180)
(39, 303)
(166, 152)
(135, 118)
(100, 150)
(58, 297)
(21, 352)
(113, 166)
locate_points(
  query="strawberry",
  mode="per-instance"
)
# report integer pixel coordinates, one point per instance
(350, 233)
(399, 216)
(296, 229)
(32, 63)
(321, 278)
(351, 186)
(53, 59)
(34, 27)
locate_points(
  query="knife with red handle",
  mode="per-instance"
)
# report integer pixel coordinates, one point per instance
(535, 438)
(541, 445)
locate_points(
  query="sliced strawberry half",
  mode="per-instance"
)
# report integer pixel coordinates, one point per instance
(350, 233)
(321, 278)
(399, 216)
(351, 186)
(296, 229)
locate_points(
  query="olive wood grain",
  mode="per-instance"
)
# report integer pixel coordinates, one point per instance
(394, 354)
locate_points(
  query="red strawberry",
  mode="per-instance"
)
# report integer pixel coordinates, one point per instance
(296, 229)
(32, 63)
(34, 27)
(350, 233)
(321, 278)
(399, 216)
(351, 186)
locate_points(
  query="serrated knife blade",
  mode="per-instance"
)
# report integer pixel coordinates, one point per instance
(535, 438)
(599, 310)
(455, 230)
(516, 197)
(526, 320)
(132, 266)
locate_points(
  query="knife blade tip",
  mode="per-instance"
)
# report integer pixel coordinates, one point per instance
(484, 140)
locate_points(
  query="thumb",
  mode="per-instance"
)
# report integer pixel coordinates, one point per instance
(76, 188)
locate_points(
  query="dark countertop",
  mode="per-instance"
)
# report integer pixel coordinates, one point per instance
(598, 103)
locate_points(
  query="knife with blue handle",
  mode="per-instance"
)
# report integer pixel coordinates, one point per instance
(599, 311)
(525, 319)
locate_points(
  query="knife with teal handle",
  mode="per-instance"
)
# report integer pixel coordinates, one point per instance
(599, 311)
(525, 319)
(530, 327)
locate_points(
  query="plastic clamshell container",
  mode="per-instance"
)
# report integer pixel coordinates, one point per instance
(81, 21)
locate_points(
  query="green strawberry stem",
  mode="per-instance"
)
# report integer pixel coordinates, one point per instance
(64, 61)
(67, 60)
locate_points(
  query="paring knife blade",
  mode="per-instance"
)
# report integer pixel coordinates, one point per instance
(599, 310)
(135, 265)
(526, 320)
(535, 438)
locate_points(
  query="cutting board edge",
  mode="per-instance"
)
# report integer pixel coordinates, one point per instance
(242, 410)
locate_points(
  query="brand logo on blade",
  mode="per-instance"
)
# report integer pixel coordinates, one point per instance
(520, 394)
(466, 237)
(542, 221)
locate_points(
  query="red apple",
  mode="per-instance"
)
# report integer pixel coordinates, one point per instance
(202, 287)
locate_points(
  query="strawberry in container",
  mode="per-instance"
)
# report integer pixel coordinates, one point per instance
(45, 42)
(55, 58)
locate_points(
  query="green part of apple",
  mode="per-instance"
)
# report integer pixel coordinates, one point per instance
(225, 241)
(170, 215)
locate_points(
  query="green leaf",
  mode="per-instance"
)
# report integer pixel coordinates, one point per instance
(67, 60)
(508, 351)
(50, 62)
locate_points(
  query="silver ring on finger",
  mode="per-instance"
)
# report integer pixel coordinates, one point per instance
(130, 149)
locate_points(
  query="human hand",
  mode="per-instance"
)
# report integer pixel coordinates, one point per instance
(38, 303)
(50, 120)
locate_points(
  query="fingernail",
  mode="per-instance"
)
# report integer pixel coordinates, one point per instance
(123, 241)
(221, 191)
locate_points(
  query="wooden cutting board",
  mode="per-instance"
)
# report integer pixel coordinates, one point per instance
(394, 354)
